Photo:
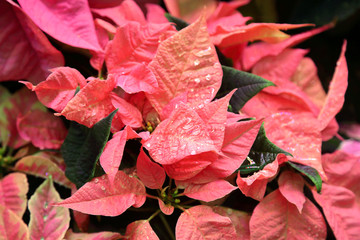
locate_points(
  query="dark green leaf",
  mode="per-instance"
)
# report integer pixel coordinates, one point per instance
(261, 153)
(247, 84)
(309, 172)
(82, 149)
(179, 24)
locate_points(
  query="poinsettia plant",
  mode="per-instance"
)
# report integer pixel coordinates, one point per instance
(186, 124)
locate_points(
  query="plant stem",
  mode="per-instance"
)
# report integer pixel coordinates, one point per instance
(151, 196)
(154, 215)
(167, 227)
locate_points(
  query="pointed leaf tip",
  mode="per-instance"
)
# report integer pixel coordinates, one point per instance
(247, 84)
(82, 149)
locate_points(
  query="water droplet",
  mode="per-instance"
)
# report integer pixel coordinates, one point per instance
(96, 180)
(176, 106)
(148, 145)
(122, 73)
(102, 188)
(187, 125)
(196, 131)
(197, 80)
(45, 217)
(196, 62)
(46, 205)
(208, 77)
(193, 152)
(191, 90)
(201, 106)
(217, 65)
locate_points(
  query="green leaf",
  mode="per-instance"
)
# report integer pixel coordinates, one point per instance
(309, 172)
(247, 84)
(82, 149)
(261, 153)
(179, 24)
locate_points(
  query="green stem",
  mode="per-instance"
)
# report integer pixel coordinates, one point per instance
(167, 227)
(154, 215)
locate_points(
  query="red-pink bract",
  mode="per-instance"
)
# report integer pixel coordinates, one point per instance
(67, 21)
(42, 167)
(150, 173)
(12, 226)
(239, 219)
(341, 210)
(100, 197)
(26, 53)
(255, 52)
(276, 218)
(209, 191)
(59, 87)
(92, 103)
(14, 107)
(70, 235)
(291, 187)
(129, 65)
(111, 157)
(335, 97)
(182, 9)
(127, 11)
(167, 209)
(214, 116)
(307, 79)
(13, 190)
(42, 129)
(298, 134)
(140, 229)
(202, 222)
(182, 135)
(196, 70)
(267, 32)
(254, 186)
(343, 169)
(47, 221)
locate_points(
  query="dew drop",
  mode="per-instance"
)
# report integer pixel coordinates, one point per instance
(197, 80)
(192, 90)
(196, 62)
(96, 180)
(217, 65)
(208, 77)
(45, 217)
(122, 73)
(193, 152)
(148, 145)
(196, 131)
(201, 106)
(102, 188)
